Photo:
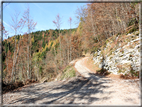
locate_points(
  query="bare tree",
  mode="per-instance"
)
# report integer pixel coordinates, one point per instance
(81, 13)
(70, 21)
(30, 25)
(17, 26)
(58, 23)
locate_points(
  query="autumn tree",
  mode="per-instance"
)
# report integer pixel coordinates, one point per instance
(70, 47)
(103, 20)
(58, 23)
(17, 26)
(30, 26)
(5, 34)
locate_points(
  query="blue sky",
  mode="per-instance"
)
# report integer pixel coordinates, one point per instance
(43, 14)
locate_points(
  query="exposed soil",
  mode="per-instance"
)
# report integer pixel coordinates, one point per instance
(90, 89)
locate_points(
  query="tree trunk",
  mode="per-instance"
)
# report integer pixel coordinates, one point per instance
(60, 48)
(7, 58)
(15, 61)
(30, 71)
(67, 40)
(55, 61)
(13, 67)
(28, 65)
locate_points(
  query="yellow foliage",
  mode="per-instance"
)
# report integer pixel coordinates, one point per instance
(78, 29)
(49, 44)
(44, 49)
(32, 39)
(36, 56)
(54, 43)
(73, 32)
(118, 18)
(57, 39)
(46, 46)
(13, 38)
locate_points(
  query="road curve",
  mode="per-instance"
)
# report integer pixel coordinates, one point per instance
(83, 70)
(121, 92)
(91, 90)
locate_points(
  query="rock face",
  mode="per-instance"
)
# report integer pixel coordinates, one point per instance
(123, 59)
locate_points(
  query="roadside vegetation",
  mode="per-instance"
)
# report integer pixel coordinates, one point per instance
(46, 54)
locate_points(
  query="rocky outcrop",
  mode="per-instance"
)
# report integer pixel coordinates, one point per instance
(123, 59)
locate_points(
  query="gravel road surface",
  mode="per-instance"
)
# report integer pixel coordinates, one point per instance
(90, 90)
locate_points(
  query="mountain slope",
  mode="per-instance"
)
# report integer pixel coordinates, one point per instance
(120, 54)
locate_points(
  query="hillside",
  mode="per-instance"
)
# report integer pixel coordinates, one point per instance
(120, 55)
(108, 32)
(44, 46)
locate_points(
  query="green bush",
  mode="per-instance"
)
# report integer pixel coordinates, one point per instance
(94, 49)
(133, 73)
(68, 72)
(43, 54)
(66, 68)
(43, 44)
(132, 21)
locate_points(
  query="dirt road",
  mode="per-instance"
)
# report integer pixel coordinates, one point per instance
(114, 91)
(91, 90)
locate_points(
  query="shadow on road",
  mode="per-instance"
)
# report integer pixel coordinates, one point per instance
(77, 91)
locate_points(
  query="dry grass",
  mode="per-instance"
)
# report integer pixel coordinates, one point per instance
(127, 76)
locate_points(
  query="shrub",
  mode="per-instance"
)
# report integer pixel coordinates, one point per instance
(43, 44)
(134, 28)
(43, 54)
(68, 72)
(132, 22)
(40, 70)
(103, 72)
(133, 73)
(94, 49)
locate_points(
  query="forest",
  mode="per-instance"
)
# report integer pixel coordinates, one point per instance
(40, 54)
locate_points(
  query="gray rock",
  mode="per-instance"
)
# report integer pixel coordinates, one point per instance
(111, 62)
